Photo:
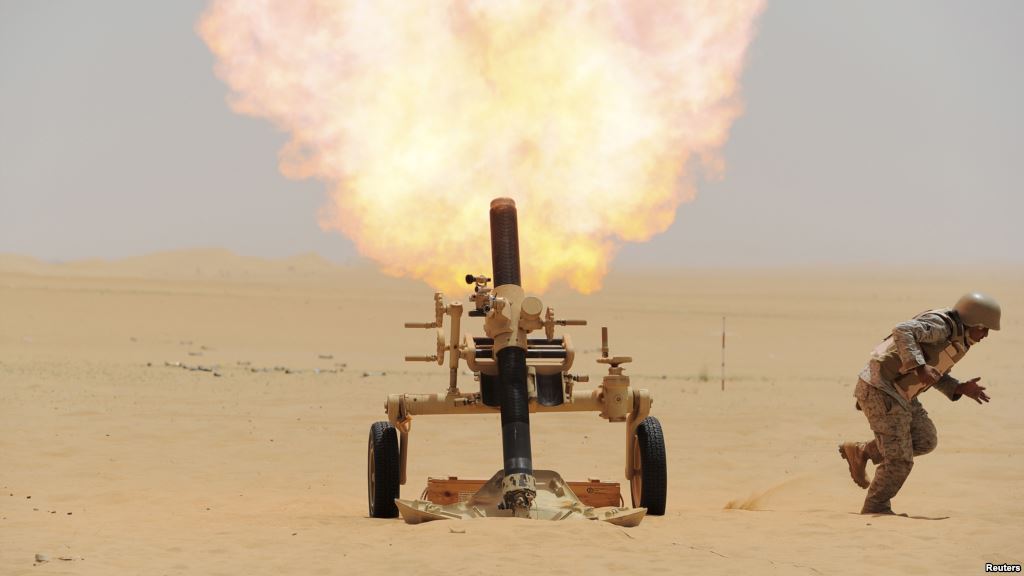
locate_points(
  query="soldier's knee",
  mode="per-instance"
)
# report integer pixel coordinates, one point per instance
(925, 445)
(899, 468)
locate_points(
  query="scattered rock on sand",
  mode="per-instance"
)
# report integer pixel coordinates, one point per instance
(198, 367)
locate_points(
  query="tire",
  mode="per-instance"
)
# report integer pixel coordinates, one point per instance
(382, 464)
(650, 485)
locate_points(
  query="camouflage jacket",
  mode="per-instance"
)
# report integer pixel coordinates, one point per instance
(936, 337)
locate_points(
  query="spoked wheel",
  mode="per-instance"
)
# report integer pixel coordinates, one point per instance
(650, 484)
(382, 470)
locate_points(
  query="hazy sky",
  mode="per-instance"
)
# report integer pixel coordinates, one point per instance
(874, 132)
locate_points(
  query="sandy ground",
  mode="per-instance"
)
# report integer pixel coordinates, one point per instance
(124, 465)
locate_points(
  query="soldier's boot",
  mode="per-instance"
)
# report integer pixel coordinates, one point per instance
(885, 508)
(857, 460)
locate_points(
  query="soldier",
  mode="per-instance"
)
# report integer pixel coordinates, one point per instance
(916, 356)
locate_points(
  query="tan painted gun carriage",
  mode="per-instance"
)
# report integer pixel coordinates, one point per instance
(517, 375)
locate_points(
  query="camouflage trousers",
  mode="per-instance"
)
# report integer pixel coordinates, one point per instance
(900, 434)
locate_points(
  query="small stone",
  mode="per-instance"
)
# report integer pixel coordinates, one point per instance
(42, 558)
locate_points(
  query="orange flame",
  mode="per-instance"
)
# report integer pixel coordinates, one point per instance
(588, 113)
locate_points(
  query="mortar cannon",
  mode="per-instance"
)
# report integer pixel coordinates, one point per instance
(517, 375)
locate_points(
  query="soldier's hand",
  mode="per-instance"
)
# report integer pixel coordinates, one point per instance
(972, 390)
(928, 374)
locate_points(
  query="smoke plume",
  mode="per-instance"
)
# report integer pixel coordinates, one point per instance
(592, 114)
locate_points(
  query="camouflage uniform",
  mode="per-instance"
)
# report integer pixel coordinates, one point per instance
(887, 394)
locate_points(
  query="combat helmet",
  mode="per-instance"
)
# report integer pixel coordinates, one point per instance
(977, 309)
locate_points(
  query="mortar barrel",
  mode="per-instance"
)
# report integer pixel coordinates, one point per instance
(515, 411)
(505, 242)
(511, 361)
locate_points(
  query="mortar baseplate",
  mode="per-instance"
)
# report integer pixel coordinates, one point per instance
(555, 500)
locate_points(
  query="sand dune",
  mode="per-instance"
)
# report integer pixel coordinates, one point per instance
(125, 465)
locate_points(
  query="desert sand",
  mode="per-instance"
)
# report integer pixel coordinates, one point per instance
(113, 460)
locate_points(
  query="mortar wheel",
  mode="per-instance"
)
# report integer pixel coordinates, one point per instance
(649, 485)
(382, 470)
